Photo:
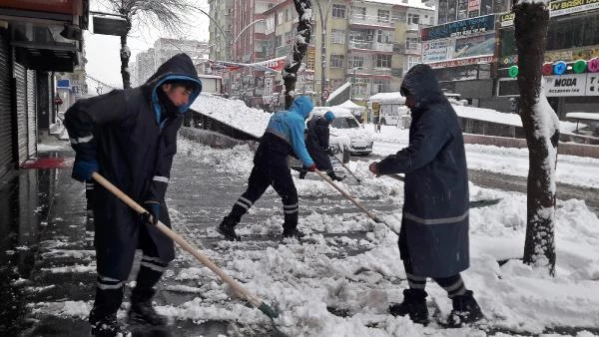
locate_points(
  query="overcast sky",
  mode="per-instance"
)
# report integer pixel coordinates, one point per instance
(102, 51)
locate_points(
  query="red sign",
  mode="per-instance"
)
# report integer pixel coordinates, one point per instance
(73, 7)
(462, 62)
(593, 65)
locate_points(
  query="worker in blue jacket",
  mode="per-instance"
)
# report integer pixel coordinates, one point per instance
(284, 136)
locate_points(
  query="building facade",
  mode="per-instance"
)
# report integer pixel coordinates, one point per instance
(146, 63)
(36, 39)
(221, 28)
(571, 69)
(371, 43)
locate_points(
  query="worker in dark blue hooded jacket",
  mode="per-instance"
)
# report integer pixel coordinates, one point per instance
(130, 138)
(284, 136)
(433, 240)
(317, 143)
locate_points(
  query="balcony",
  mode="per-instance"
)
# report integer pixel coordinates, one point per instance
(374, 46)
(368, 72)
(413, 48)
(372, 21)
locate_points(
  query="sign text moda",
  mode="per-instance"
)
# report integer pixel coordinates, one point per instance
(478, 25)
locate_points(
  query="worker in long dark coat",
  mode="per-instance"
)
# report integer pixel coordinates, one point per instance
(433, 241)
(130, 137)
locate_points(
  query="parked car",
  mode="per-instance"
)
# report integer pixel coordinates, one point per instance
(345, 124)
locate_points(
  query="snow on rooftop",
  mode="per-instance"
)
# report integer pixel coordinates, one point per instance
(349, 105)
(388, 97)
(338, 91)
(583, 115)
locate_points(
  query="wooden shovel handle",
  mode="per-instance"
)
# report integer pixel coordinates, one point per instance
(255, 301)
(354, 201)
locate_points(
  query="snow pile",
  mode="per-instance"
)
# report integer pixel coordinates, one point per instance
(303, 280)
(573, 170)
(503, 118)
(234, 113)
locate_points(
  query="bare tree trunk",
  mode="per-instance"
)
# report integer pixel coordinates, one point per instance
(541, 128)
(125, 55)
(302, 39)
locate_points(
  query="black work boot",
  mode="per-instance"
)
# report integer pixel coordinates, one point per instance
(227, 229)
(414, 305)
(292, 234)
(465, 311)
(107, 326)
(142, 312)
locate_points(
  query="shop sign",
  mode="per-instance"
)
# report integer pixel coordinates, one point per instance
(462, 62)
(566, 85)
(565, 7)
(592, 88)
(435, 51)
(481, 24)
(556, 8)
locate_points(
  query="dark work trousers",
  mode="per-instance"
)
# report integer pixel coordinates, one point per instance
(277, 175)
(113, 270)
(454, 285)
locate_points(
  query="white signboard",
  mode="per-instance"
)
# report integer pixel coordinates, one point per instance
(592, 84)
(436, 51)
(566, 85)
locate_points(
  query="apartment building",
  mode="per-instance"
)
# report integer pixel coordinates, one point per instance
(146, 63)
(371, 43)
(221, 31)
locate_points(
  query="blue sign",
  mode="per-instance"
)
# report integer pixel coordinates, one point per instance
(462, 28)
(65, 84)
(560, 68)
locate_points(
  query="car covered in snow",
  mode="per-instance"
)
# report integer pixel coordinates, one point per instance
(346, 125)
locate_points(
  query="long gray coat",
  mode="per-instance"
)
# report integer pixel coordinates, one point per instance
(434, 233)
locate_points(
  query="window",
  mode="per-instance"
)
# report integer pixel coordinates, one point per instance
(383, 16)
(338, 36)
(383, 61)
(288, 15)
(384, 36)
(361, 35)
(278, 41)
(345, 123)
(412, 61)
(280, 18)
(337, 61)
(359, 13)
(339, 11)
(381, 85)
(412, 43)
(356, 61)
(413, 18)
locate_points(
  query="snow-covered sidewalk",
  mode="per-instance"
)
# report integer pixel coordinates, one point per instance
(304, 279)
(579, 171)
(352, 263)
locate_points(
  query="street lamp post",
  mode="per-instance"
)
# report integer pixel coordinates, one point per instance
(323, 45)
(243, 30)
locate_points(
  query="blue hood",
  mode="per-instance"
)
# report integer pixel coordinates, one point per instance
(178, 67)
(302, 105)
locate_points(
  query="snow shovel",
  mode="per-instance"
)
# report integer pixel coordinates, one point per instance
(473, 204)
(252, 299)
(352, 199)
(347, 168)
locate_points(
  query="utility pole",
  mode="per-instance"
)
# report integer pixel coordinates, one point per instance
(323, 44)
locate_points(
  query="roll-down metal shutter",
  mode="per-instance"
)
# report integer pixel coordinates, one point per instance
(6, 122)
(31, 114)
(21, 97)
